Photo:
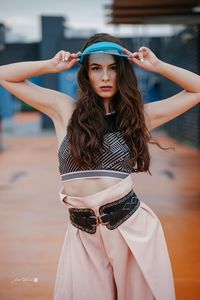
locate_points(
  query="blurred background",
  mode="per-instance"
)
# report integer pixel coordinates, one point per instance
(32, 223)
(36, 30)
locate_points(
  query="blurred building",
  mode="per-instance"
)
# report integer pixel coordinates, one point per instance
(181, 49)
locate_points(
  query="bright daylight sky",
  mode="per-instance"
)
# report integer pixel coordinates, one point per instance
(23, 18)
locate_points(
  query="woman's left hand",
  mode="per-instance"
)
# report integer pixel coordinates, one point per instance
(144, 58)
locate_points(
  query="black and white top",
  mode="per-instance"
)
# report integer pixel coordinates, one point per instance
(113, 162)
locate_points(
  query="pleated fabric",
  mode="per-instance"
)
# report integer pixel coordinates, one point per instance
(130, 262)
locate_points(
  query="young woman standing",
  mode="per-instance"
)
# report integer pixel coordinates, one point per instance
(114, 246)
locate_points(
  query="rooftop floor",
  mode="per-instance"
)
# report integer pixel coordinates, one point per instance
(33, 221)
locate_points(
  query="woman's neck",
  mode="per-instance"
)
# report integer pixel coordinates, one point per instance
(108, 108)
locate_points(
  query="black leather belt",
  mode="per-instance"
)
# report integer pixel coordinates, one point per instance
(111, 214)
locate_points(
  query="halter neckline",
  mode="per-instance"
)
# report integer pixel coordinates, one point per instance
(110, 113)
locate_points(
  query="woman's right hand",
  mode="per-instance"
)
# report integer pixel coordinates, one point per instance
(63, 61)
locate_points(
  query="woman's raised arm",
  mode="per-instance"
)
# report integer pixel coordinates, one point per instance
(160, 112)
(13, 77)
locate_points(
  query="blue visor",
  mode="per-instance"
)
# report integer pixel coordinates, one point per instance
(103, 48)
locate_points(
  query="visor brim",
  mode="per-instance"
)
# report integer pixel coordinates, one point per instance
(112, 52)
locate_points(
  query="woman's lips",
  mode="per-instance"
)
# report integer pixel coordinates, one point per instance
(106, 88)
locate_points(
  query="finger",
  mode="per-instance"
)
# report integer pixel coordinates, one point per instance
(65, 56)
(73, 62)
(143, 49)
(78, 53)
(136, 58)
(134, 55)
(74, 56)
(136, 61)
(141, 56)
(126, 51)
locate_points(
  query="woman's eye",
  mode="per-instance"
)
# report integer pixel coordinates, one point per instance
(95, 68)
(113, 68)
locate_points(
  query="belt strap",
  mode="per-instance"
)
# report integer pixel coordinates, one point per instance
(111, 214)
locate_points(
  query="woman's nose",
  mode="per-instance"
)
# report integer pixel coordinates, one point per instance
(105, 76)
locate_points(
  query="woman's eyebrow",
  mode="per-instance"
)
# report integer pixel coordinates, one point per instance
(95, 64)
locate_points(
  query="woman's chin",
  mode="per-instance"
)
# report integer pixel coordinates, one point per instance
(106, 94)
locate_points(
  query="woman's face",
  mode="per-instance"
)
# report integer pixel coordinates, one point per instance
(103, 75)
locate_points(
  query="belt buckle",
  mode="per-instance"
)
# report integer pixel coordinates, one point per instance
(99, 220)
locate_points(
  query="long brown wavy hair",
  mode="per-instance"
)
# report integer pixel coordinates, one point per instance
(87, 124)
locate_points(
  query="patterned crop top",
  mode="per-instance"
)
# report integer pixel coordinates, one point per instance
(113, 162)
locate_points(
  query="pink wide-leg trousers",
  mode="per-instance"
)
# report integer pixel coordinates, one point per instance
(130, 262)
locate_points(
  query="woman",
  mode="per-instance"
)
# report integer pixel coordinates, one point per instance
(114, 246)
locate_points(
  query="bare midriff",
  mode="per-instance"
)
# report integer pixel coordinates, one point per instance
(87, 186)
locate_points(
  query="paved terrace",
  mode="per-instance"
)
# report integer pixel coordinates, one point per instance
(33, 221)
